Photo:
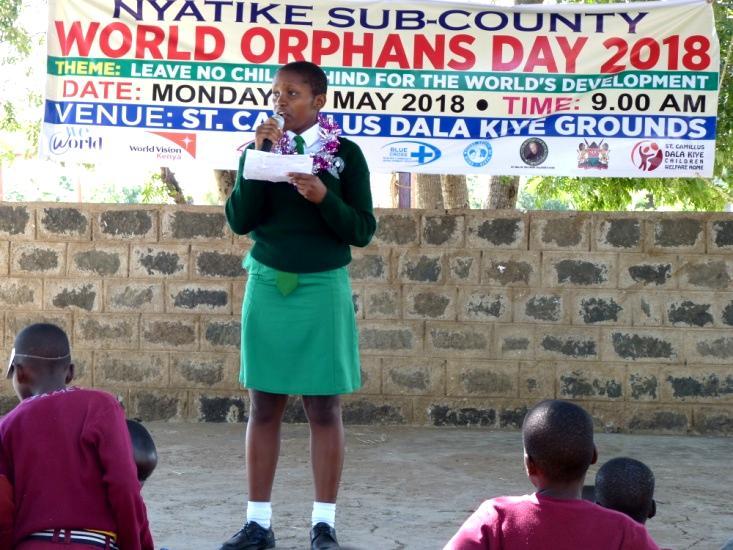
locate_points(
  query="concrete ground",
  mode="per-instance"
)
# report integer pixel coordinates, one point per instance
(411, 487)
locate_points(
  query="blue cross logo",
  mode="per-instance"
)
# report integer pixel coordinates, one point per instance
(423, 154)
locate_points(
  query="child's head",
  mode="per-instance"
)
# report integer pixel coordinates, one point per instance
(143, 450)
(40, 361)
(626, 485)
(298, 94)
(558, 443)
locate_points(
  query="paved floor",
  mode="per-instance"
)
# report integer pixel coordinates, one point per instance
(412, 487)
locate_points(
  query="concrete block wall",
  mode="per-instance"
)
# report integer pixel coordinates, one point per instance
(466, 318)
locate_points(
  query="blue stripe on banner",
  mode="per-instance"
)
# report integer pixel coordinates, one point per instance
(171, 117)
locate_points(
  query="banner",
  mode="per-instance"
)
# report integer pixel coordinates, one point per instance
(435, 87)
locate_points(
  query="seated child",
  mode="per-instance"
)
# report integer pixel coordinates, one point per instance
(143, 450)
(626, 485)
(66, 451)
(558, 449)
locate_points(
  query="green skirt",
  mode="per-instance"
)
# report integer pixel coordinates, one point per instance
(305, 343)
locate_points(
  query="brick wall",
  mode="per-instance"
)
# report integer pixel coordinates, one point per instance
(466, 317)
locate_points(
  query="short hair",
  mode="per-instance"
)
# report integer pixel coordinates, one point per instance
(143, 449)
(626, 485)
(310, 72)
(43, 340)
(558, 436)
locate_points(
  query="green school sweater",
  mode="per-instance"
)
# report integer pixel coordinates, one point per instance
(293, 234)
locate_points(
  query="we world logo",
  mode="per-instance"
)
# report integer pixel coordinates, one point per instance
(71, 138)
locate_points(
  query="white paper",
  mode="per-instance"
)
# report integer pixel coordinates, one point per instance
(259, 165)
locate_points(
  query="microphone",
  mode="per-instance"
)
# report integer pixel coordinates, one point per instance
(280, 121)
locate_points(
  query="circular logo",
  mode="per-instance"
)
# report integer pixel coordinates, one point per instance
(478, 153)
(647, 156)
(533, 151)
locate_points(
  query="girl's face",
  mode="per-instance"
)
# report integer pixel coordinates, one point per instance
(293, 98)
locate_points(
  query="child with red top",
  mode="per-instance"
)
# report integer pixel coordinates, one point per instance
(7, 511)
(67, 453)
(558, 449)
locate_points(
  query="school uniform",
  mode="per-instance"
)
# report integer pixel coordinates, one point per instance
(69, 458)
(300, 337)
(538, 521)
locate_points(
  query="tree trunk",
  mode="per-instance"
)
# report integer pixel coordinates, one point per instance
(225, 180)
(400, 189)
(404, 191)
(2, 189)
(172, 186)
(503, 192)
(428, 192)
(455, 191)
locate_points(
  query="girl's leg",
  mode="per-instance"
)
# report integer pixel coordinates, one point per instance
(263, 442)
(327, 444)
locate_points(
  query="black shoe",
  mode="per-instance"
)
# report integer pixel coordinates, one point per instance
(251, 537)
(323, 537)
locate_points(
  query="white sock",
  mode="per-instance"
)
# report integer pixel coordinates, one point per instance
(259, 512)
(324, 512)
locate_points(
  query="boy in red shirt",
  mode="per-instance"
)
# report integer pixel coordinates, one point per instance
(67, 453)
(558, 449)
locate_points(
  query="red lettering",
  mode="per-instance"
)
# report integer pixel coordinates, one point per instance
(152, 43)
(105, 42)
(292, 45)
(246, 45)
(202, 33)
(324, 43)
(393, 52)
(365, 50)
(571, 53)
(541, 56)
(540, 106)
(173, 52)
(563, 103)
(467, 57)
(70, 88)
(83, 41)
(497, 61)
(424, 48)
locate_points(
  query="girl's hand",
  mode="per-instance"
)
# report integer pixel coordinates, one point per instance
(308, 185)
(267, 130)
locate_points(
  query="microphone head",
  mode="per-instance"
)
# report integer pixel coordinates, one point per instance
(279, 120)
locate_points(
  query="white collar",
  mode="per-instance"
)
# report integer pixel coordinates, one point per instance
(310, 136)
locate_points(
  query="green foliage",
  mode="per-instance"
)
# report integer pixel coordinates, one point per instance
(10, 33)
(724, 143)
(21, 91)
(622, 193)
(155, 191)
(528, 200)
(63, 190)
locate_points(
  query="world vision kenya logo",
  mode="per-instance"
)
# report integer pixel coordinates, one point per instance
(182, 142)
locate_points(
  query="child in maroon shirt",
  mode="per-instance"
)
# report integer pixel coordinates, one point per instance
(558, 449)
(67, 454)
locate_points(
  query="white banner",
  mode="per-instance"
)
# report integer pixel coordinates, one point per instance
(433, 87)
